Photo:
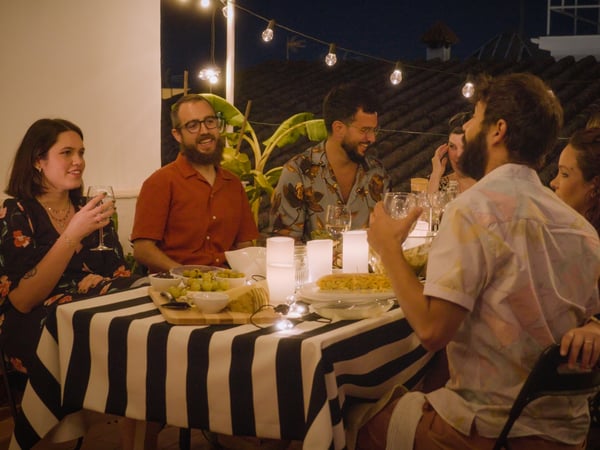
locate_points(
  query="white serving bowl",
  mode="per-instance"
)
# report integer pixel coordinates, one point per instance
(160, 283)
(249, 260)
(233, 278)
(208, 302)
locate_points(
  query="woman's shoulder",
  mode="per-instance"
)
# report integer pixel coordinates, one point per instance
(17, 204)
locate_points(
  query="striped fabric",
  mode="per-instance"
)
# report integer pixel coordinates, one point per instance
(116, 354)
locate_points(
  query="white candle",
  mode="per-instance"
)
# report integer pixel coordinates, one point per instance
(280, 269)
(320, 258)
(355, 253)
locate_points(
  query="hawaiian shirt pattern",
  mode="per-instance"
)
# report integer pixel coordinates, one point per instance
(525, 266)
(308, 184)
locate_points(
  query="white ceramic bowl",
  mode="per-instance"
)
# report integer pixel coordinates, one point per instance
(160, 283)
(249, 260)
(232, 281)
(208, 302)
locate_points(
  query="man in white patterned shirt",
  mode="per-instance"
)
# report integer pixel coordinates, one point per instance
(510, 271)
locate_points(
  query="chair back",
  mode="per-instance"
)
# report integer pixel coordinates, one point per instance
(550, 376)
(418, 184)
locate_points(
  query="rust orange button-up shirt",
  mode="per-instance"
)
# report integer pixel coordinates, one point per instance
(192, 221)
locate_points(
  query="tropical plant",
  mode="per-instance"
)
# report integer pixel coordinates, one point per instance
(259, 183)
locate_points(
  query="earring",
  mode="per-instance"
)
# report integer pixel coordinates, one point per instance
(39, 169)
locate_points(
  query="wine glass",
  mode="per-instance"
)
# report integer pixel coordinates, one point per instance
(397, 204)
(337, 220)
(92, 192)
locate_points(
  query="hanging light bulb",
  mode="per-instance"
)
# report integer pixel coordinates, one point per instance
(204, 3)
(396, 75)
(331, 59)
(468, 89)
(267, 34)
(210, 74)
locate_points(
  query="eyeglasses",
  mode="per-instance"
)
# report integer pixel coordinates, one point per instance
(367, 130)
(210, 122)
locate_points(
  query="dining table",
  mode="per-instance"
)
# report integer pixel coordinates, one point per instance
(117, 354)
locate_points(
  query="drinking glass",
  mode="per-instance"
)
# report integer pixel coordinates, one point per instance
(397, 204)
(92, 192)
(337, 220)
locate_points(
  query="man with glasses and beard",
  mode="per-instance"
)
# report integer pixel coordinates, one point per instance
(511, 269)
(192, 210)
(338, 171)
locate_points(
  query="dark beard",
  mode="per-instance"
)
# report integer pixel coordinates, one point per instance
(203, 159)
(474, 158)
(353, 154)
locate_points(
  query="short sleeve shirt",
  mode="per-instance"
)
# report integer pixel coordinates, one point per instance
(192, 221)
(308, 184)
(525, 266)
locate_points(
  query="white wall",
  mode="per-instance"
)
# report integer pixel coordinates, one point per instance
(96, 64)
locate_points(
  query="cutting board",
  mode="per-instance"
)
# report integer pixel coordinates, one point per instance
(192, 316)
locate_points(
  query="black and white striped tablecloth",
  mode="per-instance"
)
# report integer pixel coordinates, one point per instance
(116, 354)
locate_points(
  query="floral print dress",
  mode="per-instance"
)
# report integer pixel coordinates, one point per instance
(26, 235)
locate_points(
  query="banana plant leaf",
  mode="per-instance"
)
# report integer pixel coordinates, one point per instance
(230, 113)
(286, 133)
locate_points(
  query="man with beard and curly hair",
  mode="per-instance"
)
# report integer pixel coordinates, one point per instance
(338, 171)
(511, 270)
(192, 210)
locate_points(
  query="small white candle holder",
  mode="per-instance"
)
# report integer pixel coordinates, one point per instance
(280, 269)
(320, 258)
(355, 254)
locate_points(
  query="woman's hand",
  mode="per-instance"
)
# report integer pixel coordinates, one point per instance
(582, 345)
(439, 160)
(93, 216)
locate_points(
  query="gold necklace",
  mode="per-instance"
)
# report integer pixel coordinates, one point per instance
(60, 217)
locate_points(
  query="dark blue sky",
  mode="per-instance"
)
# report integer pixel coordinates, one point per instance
(388, 30)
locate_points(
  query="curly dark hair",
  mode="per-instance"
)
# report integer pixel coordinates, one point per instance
(532, 113)
(343, 102)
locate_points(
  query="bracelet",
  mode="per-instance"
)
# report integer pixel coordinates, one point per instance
(593, 319)
(70, 242)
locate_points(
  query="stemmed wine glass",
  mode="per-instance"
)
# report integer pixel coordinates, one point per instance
(337, 220)
(92, 192)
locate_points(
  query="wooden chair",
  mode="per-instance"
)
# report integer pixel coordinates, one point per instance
(550, 377)
(418, 184)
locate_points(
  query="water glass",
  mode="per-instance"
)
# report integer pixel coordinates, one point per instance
(397, 204)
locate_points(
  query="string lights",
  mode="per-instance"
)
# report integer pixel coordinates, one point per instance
(212, 72)
(331, 58)
(267, 35)
(396, 76)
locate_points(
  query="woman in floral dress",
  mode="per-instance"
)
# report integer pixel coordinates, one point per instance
(47, 231)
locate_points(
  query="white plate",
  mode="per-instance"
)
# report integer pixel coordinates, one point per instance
(313, 293)
(342, 310)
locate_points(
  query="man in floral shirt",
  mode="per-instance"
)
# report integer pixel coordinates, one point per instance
(339, 170)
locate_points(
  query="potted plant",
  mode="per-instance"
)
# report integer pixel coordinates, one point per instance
(257, 182)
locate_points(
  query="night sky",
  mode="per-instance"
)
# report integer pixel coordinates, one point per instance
(389, 30)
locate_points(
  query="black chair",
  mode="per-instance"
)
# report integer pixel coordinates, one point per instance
(549, 376)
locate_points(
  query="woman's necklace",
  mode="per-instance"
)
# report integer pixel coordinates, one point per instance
(61, 216)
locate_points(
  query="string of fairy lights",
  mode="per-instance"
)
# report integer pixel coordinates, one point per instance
(211, 73)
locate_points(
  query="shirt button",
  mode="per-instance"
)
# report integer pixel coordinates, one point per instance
(214, 217)
(217, 260)
(208, 238)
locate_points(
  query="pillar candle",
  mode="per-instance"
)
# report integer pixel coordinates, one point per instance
(320, 258)
(355, 253)
(280, 269)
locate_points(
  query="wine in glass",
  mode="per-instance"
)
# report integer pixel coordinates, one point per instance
(337, 220)
(92, 192)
